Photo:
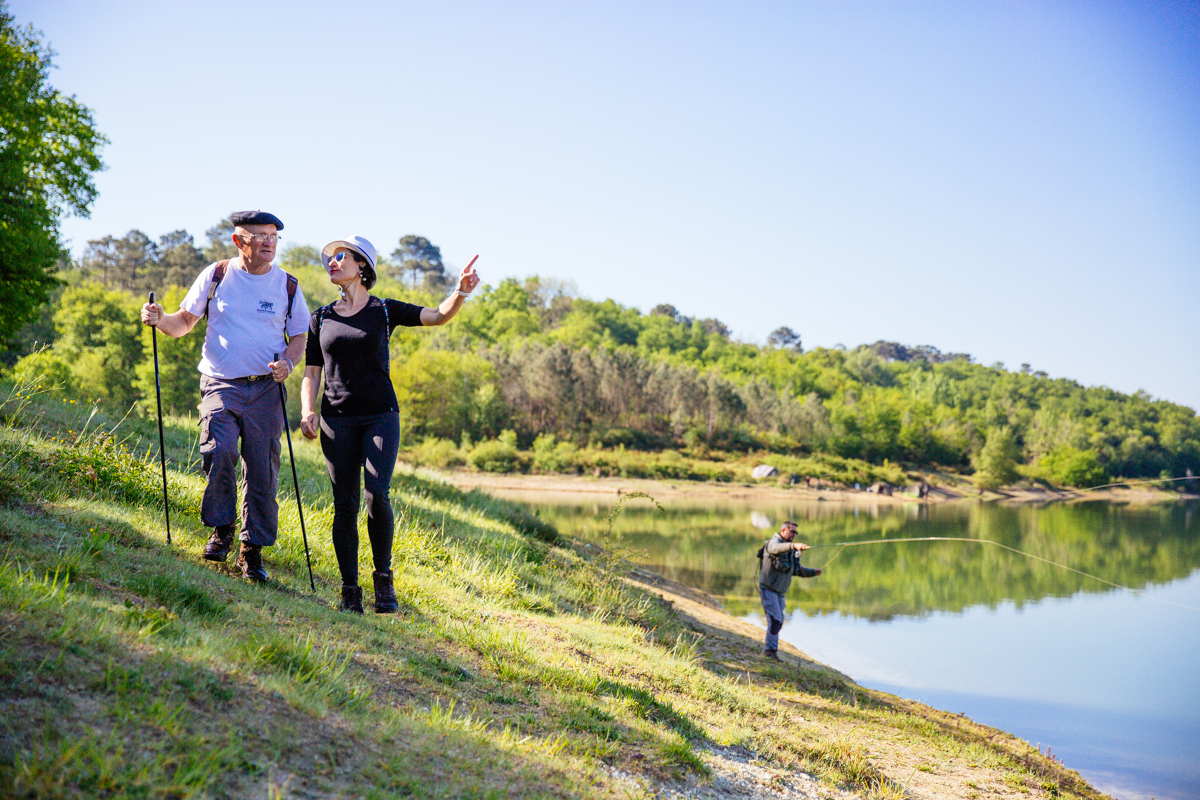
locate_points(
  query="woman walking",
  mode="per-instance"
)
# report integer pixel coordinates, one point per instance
(359, 421)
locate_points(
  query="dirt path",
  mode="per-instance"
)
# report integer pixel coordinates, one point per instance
(515, 485)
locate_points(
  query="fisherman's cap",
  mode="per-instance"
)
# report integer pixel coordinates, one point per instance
(358, 245)
(239, 218)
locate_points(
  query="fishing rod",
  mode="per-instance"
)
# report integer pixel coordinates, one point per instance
(1135, 483)
(1002, 546)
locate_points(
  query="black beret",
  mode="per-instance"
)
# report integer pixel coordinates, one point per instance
(255, 218)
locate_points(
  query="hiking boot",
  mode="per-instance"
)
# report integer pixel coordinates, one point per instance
(250, 561)
(385, 594)
(351, 599)
(217, 547)
(771, 655)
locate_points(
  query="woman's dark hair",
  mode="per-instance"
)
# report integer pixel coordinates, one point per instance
(367, 271)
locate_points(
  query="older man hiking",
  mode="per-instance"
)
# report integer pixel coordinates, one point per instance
(250, 305)
(779, 564)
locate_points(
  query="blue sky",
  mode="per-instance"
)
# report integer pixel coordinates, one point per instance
(1015, 180)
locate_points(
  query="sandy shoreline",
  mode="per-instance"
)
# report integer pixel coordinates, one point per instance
(608, 487)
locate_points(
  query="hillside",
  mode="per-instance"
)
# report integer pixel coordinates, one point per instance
(519, 666)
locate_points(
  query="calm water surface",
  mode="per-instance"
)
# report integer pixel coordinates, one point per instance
(1108, 678)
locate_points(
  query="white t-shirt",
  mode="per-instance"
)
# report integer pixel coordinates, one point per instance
(245, 319)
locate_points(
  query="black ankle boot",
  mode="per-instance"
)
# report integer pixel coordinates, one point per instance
(217, 547)
(250, 561)
(351, 599)
(385, 594)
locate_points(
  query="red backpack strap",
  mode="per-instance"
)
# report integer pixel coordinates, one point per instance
(218, 274)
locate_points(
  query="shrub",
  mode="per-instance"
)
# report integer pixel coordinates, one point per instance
(495, 455)
(1070, 466)
(45, 368)
(441, 453)
(550, 455)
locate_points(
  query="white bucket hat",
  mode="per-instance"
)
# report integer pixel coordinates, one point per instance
(358, 245)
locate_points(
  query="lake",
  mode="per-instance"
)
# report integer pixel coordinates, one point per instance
(1107, 678)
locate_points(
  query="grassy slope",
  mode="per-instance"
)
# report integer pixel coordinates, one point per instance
(516, 667)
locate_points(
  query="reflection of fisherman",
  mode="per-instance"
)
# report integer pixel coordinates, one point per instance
(779, 563)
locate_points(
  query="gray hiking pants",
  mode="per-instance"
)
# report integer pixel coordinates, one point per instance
(249, 410)
(773, 608)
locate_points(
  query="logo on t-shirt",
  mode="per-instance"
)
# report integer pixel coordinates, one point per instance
(266, 307)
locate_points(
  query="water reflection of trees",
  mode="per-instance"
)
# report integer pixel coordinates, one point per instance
(713, 548)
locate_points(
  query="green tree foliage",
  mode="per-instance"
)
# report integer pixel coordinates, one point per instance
(1070, 466)
(304, 262)
(99, 336)
(996, 463)
(177, 360)
(219, 240)
(39, 332)
(442, 393)
(785, 337)
(48, 154)
(602, 367)
(136, 263)
(867, 367)
(177, 262)
(421, 261)
(119, 263)
(501, 314)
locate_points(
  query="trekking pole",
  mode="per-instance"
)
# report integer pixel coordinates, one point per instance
(162, 447)
(296, 483)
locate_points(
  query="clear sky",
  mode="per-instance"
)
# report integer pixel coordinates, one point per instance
(1015, 180)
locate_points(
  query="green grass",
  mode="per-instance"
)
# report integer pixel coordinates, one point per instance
(520, 664)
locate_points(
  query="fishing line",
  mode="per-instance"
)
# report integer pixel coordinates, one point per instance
(1135, 483)
(1002, 546)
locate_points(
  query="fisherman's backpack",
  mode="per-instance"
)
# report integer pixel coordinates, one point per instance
(788, 561)
(219, 275)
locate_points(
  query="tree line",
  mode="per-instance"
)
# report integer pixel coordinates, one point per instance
(532, 358)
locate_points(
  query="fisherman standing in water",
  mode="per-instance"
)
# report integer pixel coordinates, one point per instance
(775, 577)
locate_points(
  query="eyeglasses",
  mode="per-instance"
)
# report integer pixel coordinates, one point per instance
(259, 238)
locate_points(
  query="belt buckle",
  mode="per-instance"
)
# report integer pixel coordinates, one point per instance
(253, 378)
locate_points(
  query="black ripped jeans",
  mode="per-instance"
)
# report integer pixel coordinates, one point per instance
(355, 446)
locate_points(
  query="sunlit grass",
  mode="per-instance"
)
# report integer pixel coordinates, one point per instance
(518, 664)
